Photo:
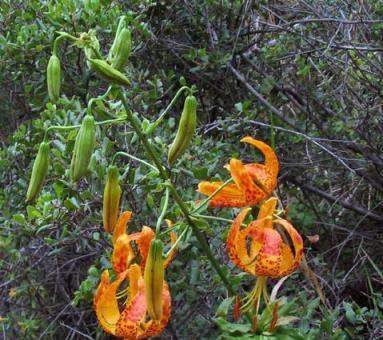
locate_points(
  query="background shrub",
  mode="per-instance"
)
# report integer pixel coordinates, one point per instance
(311, 71)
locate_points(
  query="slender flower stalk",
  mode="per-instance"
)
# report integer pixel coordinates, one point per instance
(166, 177)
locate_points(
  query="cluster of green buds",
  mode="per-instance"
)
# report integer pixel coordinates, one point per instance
(111, 71)
(122, 45)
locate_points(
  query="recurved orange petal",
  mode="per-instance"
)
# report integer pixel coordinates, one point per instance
(269, 258)
(133, 315)
(267, 209)
(255, 231)
(143, 243)
(120, 227)
(106, 305)
(154, 328)
(102, 287)
(259, 174)
(229, 196)
(237, 251)
(135, 274)
(287, 260)
(271, 160)
(253, 192)
(122, 255)
(297, 244)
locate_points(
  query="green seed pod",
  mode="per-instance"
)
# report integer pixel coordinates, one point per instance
(54, 78)
(113, 48)
(39, 172)
(186, 128)
(154, 280)
(109, 73)
(123, 48)
(112, 194)
(83, 148)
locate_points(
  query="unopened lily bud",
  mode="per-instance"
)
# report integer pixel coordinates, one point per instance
(54, 78)
(83, 148)
(186, 128)
(112, 194)
(39, 172)
(123, 48)
(154, 280)
(113, 48)
(106, 71)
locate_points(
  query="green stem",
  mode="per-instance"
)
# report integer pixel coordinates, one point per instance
(63, 128)
(122, 177)
(149, 148)
(93, 100)
(209, 217)
(56, 44)
(163, 212)
(111, 121)
(175, 244)
(166, 177)
(164, 113)
(121, 153)
(62, 36)
(59, 128)
(202, 240)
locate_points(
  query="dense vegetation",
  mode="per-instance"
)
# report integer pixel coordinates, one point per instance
(305, 77)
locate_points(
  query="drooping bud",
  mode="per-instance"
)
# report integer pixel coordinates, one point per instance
(54, 78)
(186, 128)
(106, 71)
(83, 148)
(112, 194)
(39, 172)
(154, 280)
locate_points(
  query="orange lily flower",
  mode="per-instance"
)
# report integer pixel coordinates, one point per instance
(123, 254)
(252, 182)
(133, 322)
(260, 250)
